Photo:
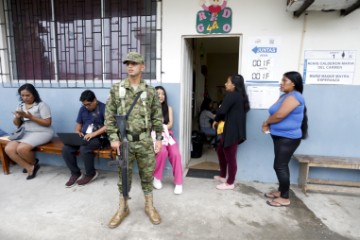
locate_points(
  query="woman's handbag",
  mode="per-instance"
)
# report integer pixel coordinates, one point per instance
(18, 134)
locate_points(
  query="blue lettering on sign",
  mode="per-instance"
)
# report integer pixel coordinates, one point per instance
(264, 50)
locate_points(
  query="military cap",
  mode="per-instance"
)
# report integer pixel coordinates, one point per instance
(134, 57)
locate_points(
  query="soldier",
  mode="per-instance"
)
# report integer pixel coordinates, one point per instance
(144, 117)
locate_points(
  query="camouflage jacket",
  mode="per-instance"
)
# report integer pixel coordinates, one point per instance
(145, 116)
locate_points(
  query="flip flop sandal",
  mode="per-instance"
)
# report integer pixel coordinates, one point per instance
(271, 195)
(274, 203)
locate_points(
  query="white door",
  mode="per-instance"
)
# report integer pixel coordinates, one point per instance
(186, 98)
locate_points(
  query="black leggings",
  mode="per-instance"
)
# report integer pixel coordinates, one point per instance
(284, 148)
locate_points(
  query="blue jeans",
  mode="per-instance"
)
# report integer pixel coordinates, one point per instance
(210, 132)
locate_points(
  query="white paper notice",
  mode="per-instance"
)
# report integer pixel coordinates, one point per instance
(329, 67)
(262, 97)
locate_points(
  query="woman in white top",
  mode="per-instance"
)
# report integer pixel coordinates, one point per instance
(169, 148)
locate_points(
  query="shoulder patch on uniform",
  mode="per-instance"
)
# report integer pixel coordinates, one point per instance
(143, 95)
(122, 92)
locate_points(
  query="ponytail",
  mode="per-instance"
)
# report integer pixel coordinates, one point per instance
(304, 125)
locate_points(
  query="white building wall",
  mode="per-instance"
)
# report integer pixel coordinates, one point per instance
(262, 18)
(333, 122)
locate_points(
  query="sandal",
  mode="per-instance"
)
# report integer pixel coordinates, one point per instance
(274, 194)
(276, 203)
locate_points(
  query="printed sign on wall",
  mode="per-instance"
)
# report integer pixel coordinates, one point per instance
(329, 67)
(214, 18)
(261, 60)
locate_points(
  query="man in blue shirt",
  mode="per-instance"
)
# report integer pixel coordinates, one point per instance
(89, 126)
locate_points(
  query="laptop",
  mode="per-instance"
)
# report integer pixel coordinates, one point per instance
(72, 139)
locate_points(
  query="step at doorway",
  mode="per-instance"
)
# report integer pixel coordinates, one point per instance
(207, 161)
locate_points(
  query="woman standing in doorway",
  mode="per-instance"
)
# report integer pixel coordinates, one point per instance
(233, 111)
(287, 125)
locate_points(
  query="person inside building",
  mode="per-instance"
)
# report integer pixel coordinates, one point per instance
(146, 115)
(169, 149)
(206, 119)
(90, 127)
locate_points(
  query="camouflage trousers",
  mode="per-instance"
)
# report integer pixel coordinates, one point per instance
(142, 152)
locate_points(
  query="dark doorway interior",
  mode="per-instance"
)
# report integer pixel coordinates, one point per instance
(215, 58)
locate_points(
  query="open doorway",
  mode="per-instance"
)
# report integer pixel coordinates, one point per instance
(213, 59)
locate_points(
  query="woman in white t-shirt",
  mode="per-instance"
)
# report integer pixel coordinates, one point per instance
(170, 148)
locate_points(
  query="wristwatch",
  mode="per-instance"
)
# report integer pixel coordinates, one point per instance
(159, 138)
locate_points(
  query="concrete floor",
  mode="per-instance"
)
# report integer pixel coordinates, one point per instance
(43, 208)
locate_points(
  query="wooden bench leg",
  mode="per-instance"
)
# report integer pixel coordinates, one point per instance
(5, 160)
(303, 175)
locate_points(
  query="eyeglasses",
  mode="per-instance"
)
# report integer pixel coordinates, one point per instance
(87, 104)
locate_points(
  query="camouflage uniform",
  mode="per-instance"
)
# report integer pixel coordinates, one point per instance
(145, 116)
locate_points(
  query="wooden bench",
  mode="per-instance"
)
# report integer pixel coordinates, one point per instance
(53, 147)
(308, 161)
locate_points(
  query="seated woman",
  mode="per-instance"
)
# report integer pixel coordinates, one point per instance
(206, 119)
(169, 147)
(34, 115)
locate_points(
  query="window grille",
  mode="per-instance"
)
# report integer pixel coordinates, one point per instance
(75, 43)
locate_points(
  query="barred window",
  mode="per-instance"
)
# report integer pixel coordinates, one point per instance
(75, 43)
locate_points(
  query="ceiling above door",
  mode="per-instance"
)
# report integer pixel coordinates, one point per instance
(344, 6)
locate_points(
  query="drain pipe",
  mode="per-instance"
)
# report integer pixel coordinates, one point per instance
(301, 53)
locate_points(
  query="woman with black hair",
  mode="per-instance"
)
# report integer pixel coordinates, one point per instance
(287, 125)
(206, 118)
(233, 111)
(35, 117)
(169, 148)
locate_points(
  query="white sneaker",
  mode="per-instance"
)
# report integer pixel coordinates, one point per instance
(178, 189)
(157, 183)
